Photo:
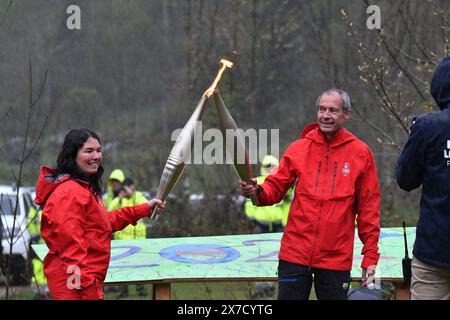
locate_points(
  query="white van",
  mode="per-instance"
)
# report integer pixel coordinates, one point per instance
(20, 235)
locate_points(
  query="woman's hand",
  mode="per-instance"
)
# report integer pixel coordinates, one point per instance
(158, 204)
(248, 189)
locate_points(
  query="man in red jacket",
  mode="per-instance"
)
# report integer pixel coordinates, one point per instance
(337, 181)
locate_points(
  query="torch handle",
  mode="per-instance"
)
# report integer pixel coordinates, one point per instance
(154, 215)
(254, 200)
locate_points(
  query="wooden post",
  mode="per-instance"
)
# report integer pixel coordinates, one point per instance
(402, 291)
(161, 291)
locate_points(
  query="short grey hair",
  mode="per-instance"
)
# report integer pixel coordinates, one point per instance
(346, 105)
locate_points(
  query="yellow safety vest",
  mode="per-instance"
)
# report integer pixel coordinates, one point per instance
(130, 232)
(34, 228)
(266, 214)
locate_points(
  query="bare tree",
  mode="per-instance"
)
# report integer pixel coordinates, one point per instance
(6, 12)
(397, 66)
(27, 149)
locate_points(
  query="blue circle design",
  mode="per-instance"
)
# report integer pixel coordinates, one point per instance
(188, 253)
(132, 250)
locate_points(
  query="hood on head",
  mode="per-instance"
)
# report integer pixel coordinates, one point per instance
(269, 162)
(116, 174)
(440, 84)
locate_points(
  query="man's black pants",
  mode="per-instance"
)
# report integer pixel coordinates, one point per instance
(295, 282)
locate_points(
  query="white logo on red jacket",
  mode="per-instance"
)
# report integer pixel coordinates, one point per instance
(346, 169)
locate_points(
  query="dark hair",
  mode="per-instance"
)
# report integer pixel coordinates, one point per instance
(66, 161)
(128, 182)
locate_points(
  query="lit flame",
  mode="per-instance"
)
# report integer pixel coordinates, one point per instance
(225, 64)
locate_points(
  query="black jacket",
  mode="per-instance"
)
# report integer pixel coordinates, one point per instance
(425, 161)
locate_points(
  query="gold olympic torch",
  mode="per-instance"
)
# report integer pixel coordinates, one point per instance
(179, 155)
(236, 145)
(182, 148)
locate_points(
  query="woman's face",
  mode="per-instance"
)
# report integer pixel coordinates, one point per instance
(89, 156)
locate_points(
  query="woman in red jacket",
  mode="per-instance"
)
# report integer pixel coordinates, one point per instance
(75, 224)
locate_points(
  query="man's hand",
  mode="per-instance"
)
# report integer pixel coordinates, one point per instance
(158, 204)
(248, 189)
(368, 277)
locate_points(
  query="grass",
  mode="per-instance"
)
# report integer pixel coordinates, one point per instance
(197, 291)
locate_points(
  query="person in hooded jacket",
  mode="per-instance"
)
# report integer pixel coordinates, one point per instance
(425, 161)
(75, 225)
(113, 187)
(336, 179)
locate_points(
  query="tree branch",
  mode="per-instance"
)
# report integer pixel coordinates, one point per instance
(6, 12)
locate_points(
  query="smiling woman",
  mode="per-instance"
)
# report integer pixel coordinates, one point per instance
(75, 225)
(89, 157)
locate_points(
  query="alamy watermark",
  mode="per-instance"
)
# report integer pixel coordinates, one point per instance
(74, 280)
(210, 147)
(374, 20)
(73, 22)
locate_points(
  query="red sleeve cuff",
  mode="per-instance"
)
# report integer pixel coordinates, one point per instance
(142, 211)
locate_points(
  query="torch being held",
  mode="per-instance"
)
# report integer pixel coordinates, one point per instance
(183, 146)
(235, 145)
(179, 155)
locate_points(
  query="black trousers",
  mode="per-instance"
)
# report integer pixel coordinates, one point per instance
(295, 282)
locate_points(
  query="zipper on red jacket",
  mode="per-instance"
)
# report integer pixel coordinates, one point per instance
(334, 177)
(321, 206)
(318, 175)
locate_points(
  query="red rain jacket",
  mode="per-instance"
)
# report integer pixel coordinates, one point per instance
(78, 231)
(336, 181)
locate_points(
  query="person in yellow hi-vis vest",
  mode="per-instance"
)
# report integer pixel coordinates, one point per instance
(128, 196)
(113, 186)
(269, 218)
(38, 281)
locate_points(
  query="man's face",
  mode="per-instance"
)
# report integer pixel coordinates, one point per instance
(330, 115)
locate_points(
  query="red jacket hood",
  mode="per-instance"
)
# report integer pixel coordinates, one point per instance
(47, 183)
(308, 128)
(312, 132)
